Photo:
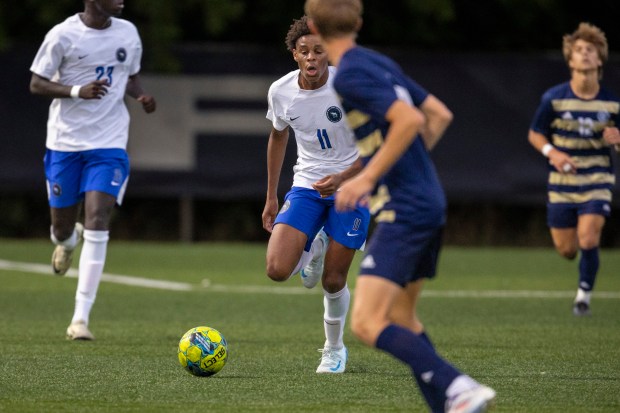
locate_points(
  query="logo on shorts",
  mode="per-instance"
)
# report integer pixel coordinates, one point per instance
(285, 207)
(56, 190)
(121, 54)
(334, 114)
(118, 178)
(368, 262)
(606, 208)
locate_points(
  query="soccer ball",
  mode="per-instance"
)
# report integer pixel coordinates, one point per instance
(203, 351)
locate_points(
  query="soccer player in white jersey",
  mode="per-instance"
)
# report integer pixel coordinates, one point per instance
(87, 64)
(308, 234)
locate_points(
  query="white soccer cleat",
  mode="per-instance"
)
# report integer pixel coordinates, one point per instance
(476, 400)
(581, 309)
(312, 273)
(332, 360)
(79, 331)
(62, 257)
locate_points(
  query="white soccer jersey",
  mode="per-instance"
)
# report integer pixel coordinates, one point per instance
(325, 143)
(75, 54)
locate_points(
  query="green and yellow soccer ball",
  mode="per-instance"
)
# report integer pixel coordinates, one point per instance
(203, 351)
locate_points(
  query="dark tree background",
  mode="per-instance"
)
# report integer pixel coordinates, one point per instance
(446, 25)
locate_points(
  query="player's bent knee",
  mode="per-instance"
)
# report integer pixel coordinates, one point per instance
(332, 283)
(277, 274)
(363, 331)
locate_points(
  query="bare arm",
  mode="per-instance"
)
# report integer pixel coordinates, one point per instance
(405, 123)
(45, 87)
(276, 149)
(438, 118)
(559, 159)
(135, 90)
(329, 185)
(612, 137)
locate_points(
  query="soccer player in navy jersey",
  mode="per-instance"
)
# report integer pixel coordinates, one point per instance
(574, 127)
(396, 122)
(87, 64)
(303, 101)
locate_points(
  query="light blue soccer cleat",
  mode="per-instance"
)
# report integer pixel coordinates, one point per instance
(312, 273)
(332, 360)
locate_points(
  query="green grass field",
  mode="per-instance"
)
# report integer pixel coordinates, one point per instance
(501, 315)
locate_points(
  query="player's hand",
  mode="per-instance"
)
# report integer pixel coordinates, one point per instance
(269, 214)
(611, 136)
(562, 162)
(354, 193)
(94, 90)
(328, 185)
(148, 103)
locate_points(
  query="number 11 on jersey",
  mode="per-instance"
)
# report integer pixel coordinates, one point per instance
(323, 138)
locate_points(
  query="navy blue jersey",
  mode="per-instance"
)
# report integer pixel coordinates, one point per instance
(575, 126)
(368, 83)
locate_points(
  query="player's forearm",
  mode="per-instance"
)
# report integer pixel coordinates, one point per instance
(538, 141)
(276, 149)
(438, 118)
(399, 137)
(352, 170)
(45, 87)
(405, 123)
(134, 87)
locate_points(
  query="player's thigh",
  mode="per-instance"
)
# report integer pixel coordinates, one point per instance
(304, 211)
(98, 207)
(589, 229)
(285, 247)
(565, 241)
(106, 171)
(63, 173)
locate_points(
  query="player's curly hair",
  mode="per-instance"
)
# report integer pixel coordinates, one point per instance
(298, 29)
(590, 34)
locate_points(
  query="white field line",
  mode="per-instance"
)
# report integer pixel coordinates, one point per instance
(258, 289)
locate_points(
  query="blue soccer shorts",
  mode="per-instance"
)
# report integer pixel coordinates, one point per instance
(70, 175)
(566, 215)
(402, 253)
(306, 211)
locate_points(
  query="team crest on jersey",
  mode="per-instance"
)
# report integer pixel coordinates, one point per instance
(602, 116)
(121, 54)
(334, 114)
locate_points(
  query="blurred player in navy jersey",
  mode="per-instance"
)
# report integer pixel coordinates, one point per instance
(308, 234)
(87, 64)
(396, 123)
(574, 127)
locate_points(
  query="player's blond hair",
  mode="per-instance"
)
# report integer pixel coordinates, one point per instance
(335, 18)
(591, 34)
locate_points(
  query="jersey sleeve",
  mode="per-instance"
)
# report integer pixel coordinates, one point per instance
(50, 54)
(543, 117)
(275, 111)
(135, 66)
(416, 91)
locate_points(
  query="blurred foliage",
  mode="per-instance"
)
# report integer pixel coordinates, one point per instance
(448, 25)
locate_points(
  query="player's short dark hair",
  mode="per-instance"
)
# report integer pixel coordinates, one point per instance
(298, 29)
